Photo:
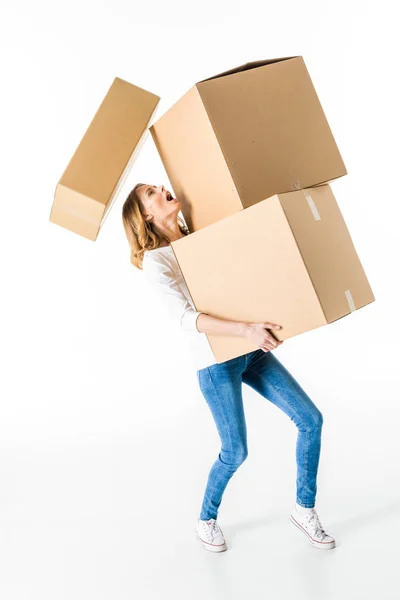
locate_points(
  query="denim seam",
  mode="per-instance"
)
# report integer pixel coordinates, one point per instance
(305, 461)
(305, 457)
(216, 481)
(222, 412)
(211, 492)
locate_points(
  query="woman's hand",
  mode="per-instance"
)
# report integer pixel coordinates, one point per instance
(258, 334)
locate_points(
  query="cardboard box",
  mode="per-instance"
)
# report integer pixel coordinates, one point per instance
(288, 259)
(241, 136)
(89, 185)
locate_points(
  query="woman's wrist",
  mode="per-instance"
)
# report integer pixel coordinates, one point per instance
(244, 329)
(214, 326)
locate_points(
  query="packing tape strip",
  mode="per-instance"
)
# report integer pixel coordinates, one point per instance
(76, 213)
(317, 217)
(312, 206)
(350, 300)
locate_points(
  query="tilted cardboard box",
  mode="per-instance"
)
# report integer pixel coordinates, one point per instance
(288, 259)
(243, 135)
(89, 185)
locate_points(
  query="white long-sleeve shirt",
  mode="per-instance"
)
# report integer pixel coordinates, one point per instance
(162, 271)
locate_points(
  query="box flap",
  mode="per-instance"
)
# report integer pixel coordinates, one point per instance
(249, 65)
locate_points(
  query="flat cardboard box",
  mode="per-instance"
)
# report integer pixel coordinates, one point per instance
(288, 259)
(241, 136)
(90, 183)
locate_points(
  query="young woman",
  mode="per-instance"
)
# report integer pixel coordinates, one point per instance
(151, 222)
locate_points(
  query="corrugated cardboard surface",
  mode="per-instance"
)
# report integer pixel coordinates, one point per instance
(103, 158)
(274, 262)
(249, 65)
(267, 134)
(327, 249)
(210, 187)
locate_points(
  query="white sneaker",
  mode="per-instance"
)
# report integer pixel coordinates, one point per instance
(210, 535)
(311, 526)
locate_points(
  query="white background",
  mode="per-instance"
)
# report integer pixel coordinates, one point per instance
(105, 438)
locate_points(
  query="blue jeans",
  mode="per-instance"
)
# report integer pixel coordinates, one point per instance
(221, 385)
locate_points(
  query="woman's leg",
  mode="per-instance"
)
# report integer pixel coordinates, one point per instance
(267, 375)
(221, 385)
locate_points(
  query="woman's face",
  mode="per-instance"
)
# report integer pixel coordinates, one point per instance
(159, 204)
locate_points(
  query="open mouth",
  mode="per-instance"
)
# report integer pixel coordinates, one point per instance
(170, 197)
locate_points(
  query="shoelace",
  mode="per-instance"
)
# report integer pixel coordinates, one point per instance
(319, 531)
(213, 529)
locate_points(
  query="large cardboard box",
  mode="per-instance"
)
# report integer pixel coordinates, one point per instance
(288, 259)
(90, 183)
(241, 136)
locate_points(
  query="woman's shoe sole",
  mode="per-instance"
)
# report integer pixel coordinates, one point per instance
(320, 545)
(211, 547)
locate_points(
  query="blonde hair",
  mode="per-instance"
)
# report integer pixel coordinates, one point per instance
(142, 235)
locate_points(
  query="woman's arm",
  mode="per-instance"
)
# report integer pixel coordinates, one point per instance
(208, 324)
(163, 280)
(257, 333)
(160, 275)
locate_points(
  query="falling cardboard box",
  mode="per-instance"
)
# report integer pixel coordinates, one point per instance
(243, 135)
(288, 259)
(90, 183)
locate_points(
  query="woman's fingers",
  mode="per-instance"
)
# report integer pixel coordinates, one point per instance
(268, 325)
(271, 344)
(271, 341)
(267, 347)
